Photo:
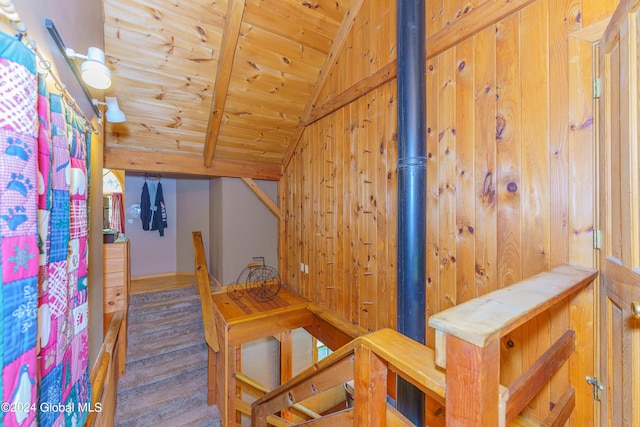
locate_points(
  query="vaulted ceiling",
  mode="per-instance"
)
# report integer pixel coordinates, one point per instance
(217, 88)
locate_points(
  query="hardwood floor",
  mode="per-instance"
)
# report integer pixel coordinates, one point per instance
(161, 283)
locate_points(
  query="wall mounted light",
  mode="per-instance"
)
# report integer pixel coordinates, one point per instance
(114, 114)
(93, 70)
(55, 35)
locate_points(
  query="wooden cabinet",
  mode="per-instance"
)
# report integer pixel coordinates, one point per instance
(117, 285)
(116, 276)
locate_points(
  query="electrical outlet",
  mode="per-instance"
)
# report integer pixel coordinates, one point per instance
(302, 267)
(306, 269)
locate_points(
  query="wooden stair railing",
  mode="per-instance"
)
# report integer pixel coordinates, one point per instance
(468, 345)
(105, 374)
(249, 384)
(367, 360)
(208, 314)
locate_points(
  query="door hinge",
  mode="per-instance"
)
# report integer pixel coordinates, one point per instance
(597, 387)
(596, 239)
(597, 86)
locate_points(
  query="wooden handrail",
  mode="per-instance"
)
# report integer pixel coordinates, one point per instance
(415, 363)
(491, 316)
(469, 340)
(332, 330)
(468, 344)
(243, 380)
(204, 288)
(99, 380)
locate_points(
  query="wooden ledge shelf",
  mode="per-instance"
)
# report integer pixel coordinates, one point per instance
(468, 345)
(489, 317)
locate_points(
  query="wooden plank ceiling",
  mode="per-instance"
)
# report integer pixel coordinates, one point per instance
(217, 88)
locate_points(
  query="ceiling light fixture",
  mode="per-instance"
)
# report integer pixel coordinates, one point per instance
(114, 114)
(93, 70)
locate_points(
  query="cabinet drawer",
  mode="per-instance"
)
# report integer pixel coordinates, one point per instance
(112, 265)
(112, 280)
(114, 250)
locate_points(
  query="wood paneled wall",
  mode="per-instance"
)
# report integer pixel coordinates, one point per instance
(339, 208)
(510, 130)
(338, 195)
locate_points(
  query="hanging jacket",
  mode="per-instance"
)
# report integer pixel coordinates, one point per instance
(159, 221)
(145, 207)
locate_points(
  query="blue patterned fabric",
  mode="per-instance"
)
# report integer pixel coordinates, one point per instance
(43, 250)
(18, 230)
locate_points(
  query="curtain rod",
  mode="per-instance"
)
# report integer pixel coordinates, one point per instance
(8, 10)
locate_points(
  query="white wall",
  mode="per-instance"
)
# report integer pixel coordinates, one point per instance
(215, 228)
(242, 227)
(192, 204)
(151, 253)
(187, 203)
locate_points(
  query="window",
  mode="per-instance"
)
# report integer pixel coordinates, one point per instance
(111, 184)
(320, 351)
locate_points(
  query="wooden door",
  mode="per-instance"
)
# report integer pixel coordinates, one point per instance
(619, 196)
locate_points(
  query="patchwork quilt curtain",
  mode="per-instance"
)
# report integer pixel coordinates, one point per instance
(43, 247)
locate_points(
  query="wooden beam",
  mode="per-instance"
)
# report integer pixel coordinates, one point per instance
(330, 372)
(264, 197)
(157, 162)
(286, 366)
(329, 399)
(370, 388)
(255, 326)
(562, 410)
(396, 418)
(249, 384)
(486, 14)
(337, 419)
(325, 71)
(272, 420)
(416, 362)
(527, 385)
(230, 34)
(364, 86)
(473, 380)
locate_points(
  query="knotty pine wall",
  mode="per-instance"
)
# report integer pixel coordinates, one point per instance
(338, 194)
(510, 172)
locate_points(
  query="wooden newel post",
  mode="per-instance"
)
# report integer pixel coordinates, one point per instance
(370, 389)
(259, 416)
(473, 380)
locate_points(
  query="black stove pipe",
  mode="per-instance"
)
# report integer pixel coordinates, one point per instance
(412, 166)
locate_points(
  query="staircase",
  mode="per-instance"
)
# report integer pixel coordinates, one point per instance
(165, 383)
(461, 377)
